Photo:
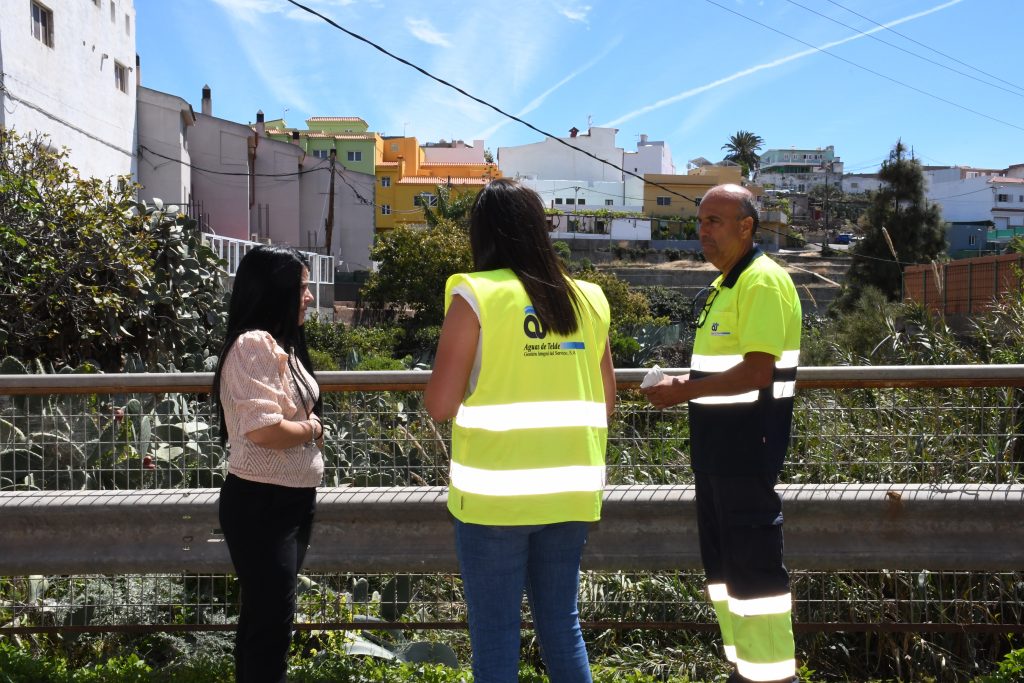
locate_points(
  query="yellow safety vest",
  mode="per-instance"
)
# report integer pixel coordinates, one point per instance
(528, 442)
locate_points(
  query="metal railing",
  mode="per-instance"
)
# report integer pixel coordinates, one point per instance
(903, 489)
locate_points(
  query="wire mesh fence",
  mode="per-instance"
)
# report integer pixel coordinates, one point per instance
(159, 439)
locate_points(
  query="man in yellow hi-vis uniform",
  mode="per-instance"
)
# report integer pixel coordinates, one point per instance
(740, 394)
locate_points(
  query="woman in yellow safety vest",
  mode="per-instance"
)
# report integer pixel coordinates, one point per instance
(524, 368)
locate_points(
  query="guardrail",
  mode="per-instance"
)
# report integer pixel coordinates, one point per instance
(385, 530)
(851, 377)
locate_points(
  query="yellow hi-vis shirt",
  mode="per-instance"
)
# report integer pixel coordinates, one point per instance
(755, 308)
(528, 442)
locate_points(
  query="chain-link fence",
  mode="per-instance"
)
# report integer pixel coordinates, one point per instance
(856, 430)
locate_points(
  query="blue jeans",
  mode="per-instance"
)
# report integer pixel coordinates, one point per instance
(497, 564)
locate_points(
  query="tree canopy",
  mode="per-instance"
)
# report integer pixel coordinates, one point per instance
(89, 275)
(414, 266)
(900, 227)
(742, 148)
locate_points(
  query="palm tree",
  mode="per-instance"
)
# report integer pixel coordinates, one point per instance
(743, 146)
(451, 205)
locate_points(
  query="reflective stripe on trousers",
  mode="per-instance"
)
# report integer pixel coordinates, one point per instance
(757, 634)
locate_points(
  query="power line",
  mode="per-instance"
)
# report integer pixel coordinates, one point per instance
(916, 42)
(897, 47)
(485, 103)
(233, 173)
(863, 68)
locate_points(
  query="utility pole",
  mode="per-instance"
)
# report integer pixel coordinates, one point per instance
(575, 211)
(329, 223)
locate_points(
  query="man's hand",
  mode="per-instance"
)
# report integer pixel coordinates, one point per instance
(668, 392)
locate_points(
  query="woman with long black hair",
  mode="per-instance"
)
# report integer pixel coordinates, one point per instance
(524, 368)
(269, 406)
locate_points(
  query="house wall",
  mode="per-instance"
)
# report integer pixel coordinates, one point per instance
(277, 192)
(693, 185)
(68, 91)
(164, 122)
(220, 178)
(455, 152)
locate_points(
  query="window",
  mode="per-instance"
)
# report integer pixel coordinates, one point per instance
(121, 76)
(355, 156)
(558, 200)
(113, 11)
(394, 146)
(972, 240)
(1002, 197)
(127, 24)
(609, 202)
(321, 153)
(42, 24)
(1020, 198)
(854, 185)
(385, 181)
(570, 201)
(425, 199)
(385, 209)
(581, 201)
(664, 201)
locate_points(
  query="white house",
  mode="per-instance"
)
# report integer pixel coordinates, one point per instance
(567, 179)
(799, 169)
(68, 71)
(980, 197)
(860, 183)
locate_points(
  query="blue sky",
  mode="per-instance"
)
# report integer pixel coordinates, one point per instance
(690, 72)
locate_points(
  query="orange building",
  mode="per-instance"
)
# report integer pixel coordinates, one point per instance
(406, 182)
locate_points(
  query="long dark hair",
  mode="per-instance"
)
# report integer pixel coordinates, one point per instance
(507, 229)
(265, 296)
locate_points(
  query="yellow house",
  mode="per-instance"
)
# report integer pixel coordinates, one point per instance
(658, 201)
(406, 182)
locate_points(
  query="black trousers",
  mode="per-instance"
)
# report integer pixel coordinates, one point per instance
(267, 529)
(739, 520)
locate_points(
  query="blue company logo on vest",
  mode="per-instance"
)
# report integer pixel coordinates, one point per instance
(533, 328)
(716, 333)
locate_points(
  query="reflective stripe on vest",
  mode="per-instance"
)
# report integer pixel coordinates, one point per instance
(543, 480)
(715, 364)
(535, 415)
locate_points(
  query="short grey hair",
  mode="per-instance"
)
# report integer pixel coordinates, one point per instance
(748, 209)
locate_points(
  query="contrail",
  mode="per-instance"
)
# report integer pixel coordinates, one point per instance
(539, 100)
(771, 65)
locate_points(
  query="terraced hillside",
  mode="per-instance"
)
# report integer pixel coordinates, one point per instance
(817, 279)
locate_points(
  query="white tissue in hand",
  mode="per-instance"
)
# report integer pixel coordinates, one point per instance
(653, 376)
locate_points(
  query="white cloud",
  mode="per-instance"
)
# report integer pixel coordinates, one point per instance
(248, 10)
(425, 31)
(576, 12)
